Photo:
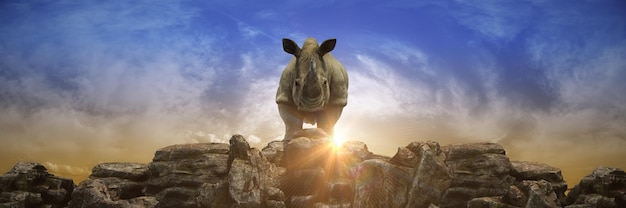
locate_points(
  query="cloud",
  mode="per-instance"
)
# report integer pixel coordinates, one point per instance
(66, 170)
(499, 20)
(85, 83)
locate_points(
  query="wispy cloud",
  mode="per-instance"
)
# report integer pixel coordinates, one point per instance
(113, 81)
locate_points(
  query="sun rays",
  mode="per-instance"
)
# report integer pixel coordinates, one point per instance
(338, 139)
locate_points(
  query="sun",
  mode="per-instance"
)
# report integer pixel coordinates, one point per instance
(338, 139)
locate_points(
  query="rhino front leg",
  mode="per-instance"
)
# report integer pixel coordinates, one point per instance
(327, 119)
(292, 119)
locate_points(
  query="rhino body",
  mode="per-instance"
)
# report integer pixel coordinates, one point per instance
(313, 87)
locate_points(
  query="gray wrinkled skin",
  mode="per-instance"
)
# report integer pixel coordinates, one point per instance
(313, 87)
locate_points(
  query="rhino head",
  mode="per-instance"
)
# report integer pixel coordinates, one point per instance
(310, 88)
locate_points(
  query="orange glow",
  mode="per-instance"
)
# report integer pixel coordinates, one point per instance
(339, 138)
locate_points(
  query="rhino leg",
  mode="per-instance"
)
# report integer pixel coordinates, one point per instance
(326, 120)
(292, 119)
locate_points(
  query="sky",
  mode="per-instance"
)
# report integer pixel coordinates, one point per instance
(86, 82)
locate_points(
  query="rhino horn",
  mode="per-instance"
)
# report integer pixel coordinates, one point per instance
(313, 67)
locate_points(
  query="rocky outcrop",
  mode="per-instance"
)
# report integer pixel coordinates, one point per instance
(604, 187)
(114, 185)
(536, 171)
(310, 171)
(213, 175)
(187, 175)
(318, 173)
(536, 194)
(415, 176)
(478, 170)
(29, 184)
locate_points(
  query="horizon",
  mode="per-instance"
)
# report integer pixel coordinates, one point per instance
(87, 82)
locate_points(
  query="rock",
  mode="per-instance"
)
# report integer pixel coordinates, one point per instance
(238, 149)
(478, 170)
(404, 157)
(143, 201)
(594, 201)
(95, 193)
(115, 184)
(214, 175)
(275, 204)
(304, 152)
(29, 184)
(275, 194)
(357, 149)
(604, 187)
(460, 151)
(432, 177)
(178, 173)
(537, 171)
(381, 184)
(177, 196)
(273, 152)
(341, 192)
(318, 173)
(182, 151)
(245, 187)
(130, 171)
(309, 171)
(515, 197)
(305, 182)
(21, 199)
(348, 158)
(214, 195)
(313, 133)
(539, 194)
(243, 176)
(488, 202)
(204, 163)
(302, 201)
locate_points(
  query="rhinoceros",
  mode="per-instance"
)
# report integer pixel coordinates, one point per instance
(313, 87)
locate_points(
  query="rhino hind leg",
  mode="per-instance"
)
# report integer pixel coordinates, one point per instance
(292, 119)
(326, 120)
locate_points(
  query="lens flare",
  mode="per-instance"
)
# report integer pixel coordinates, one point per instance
(338, 139)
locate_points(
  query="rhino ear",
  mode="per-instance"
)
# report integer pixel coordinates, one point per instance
(291, 47)
(327, 46)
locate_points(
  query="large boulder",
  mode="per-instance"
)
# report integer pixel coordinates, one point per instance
(536, 171)
(187, 175)
(102, 193)
(319, 173)
(535, 194)
(539, 194)
(478, 170)
(253, 181)
(432, 177)
(115, 184)
(177, 172)
(239, 177)
(274, 152)
(29, 184)
(382, 184)
(604, 187)
(488, 202)
(306, 157)
(123, 170)
(310, 148)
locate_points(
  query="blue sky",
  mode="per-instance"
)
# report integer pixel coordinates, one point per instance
(115, 80)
